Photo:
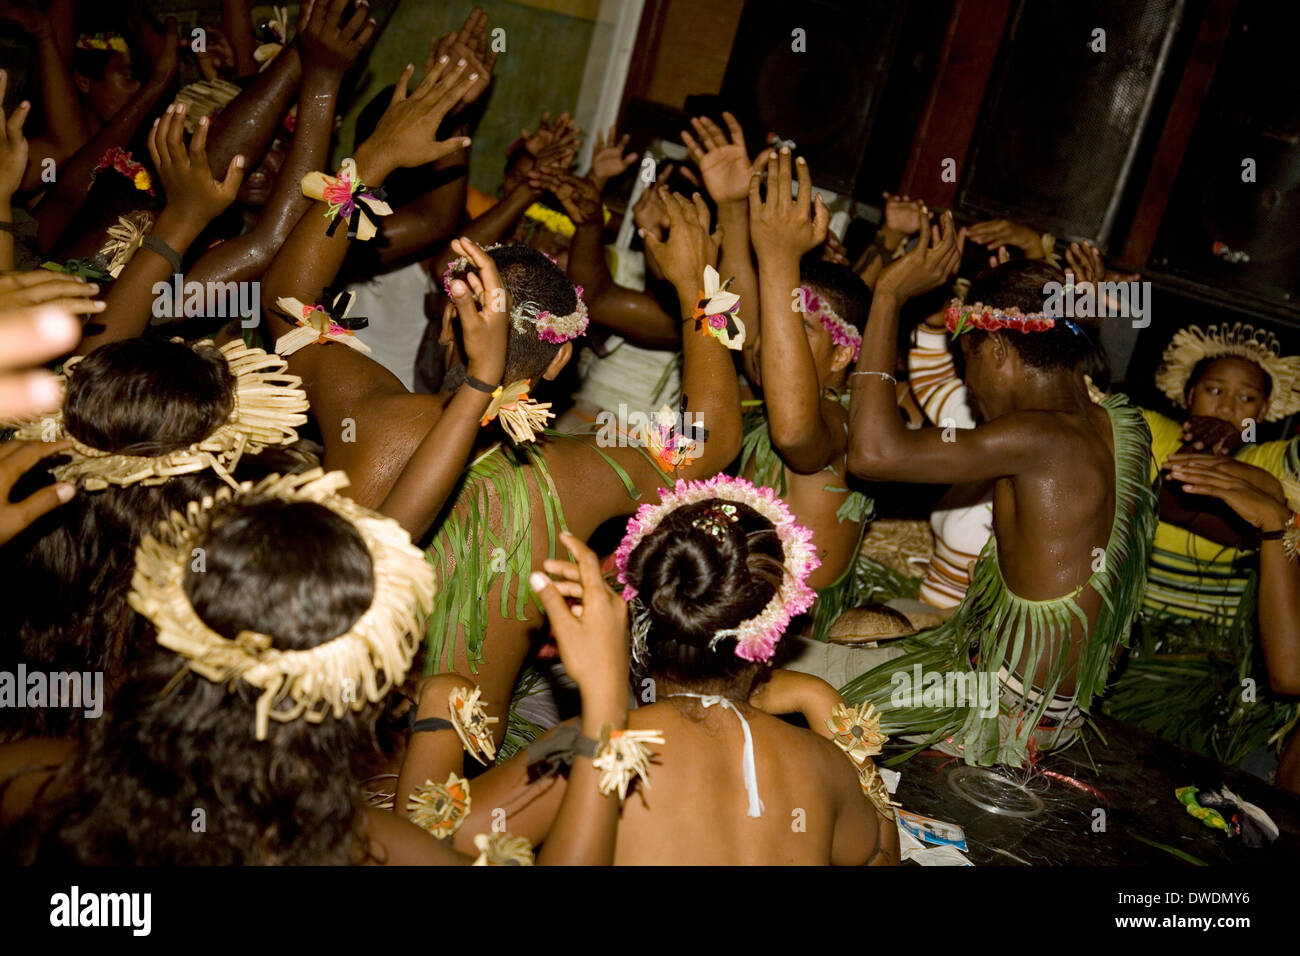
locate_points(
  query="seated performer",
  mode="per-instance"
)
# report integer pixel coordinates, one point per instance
(1058, 585)
(1268, 511)
(796, 442)
(243, 738)
(714, 573)
(1197, 631)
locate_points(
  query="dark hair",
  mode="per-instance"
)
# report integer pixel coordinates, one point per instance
(91, 63)
(129, 795)
(1020, 284)
(70, 572)
(530, 277)
(849, 296)
(694, 584)
(1203, 366)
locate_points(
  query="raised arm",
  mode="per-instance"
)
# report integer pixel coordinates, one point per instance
(784, 229)
(69, 193)
(64, 123)
(329, 47)
(194, 198)
(709, 384)
(430, 476)
(13, 160)
(881, 448)
(726, 170)
(634, 315)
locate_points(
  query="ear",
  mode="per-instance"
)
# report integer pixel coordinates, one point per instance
(82, 82)
(557, 364)
(445, 334)
(1001, 350)
(841, 358)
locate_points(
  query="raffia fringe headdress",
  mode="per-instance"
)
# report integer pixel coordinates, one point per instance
(1192, 344)
(267, 406)
(359, 666)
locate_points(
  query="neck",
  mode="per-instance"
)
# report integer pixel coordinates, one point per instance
(1042, 391)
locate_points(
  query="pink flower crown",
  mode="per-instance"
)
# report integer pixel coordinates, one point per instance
(555, 329)
(841, 332)
(962, 318)
(756, 638)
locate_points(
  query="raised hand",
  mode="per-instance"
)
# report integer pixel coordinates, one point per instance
(470, 44)
(161, 46)
(607, 158)
(903, 215)
(192, 192)
(689, 246)
(579, 196)
(591, 632)
(560, 130)
(406, 134)
(1085, 262)
(218, 56)
(481, 302)
(723, 161)
(1004, 232)
(13, 145)
(16, 459)
(1211, 435)
(24, 290)
(933, 262)
(27, 339)
(781, 225)
(328, 42)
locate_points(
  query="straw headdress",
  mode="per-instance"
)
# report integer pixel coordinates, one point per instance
(359, 666)
(1192, 344)
(268, 405)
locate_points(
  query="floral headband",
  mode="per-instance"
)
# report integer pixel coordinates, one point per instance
(842, 333)
(756, 638)
(556, 329)
(964, 317)
(102, 42)
(121, 160)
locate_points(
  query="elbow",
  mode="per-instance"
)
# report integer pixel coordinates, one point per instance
(865, 461)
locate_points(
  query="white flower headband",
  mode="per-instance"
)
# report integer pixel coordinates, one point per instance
(756, 638)
(556, 329)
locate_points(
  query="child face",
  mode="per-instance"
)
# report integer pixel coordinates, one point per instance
(1230, 389)
(256, 188)
(119, 84)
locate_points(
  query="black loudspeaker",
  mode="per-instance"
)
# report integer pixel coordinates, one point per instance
(1061, 125)
(1224, 236)
(814, 72)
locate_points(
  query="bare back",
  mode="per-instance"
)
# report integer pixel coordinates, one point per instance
(696, 814)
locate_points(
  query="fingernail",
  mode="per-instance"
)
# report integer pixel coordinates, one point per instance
(44, 390)
(466, 142)
(473, 76)
(93, 286)
(204, 121)
(537, 580)
(55, 326)
(239, 162)
(441, 59)
(460, 62)
(65, 491)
